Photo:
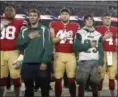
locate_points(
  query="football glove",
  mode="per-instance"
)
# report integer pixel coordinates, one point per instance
(18, 61)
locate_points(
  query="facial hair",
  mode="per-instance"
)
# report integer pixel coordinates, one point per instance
(65, 21)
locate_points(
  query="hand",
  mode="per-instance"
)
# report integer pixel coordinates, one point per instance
(43, 66)
(93, 43)
(18, 61)
(107, 35)
(63, 36)
(52, 30)
(100, 69)
(18, 64)
(20, 58)
(33, 35)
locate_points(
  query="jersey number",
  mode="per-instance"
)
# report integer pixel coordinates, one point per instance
(8, 33)
(110, 40)
(69, 33)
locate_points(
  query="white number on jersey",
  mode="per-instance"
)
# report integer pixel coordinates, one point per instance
(110, 40)
(69, 36)
(8, 33)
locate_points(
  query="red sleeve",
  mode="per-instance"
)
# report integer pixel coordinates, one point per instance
(96, 28)
(24, 23)
(52, 24)
(115, 31)
(77, 26)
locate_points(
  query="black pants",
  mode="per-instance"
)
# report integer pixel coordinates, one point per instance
(30, 73)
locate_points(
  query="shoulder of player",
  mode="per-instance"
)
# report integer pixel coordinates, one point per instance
(18, 20)
(113, 27)
(74, 23)
(53, 23)
(99, 27)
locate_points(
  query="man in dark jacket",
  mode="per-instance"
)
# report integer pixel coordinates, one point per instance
(35, 42)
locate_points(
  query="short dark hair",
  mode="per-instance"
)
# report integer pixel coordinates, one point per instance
(88, 16)
(34, 11)
(65, 10)
(106, 14)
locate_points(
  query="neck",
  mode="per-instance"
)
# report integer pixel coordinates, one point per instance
(107, 26)
(34, 25)
(65, 22)
(90, 27)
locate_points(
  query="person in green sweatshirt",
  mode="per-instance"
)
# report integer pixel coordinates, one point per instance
(88, 46)
(35, 42)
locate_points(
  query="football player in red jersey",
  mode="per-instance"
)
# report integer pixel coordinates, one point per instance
(10, 56)
(109, 43)
(62, 34)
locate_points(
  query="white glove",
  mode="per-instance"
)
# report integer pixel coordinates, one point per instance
(18, 61)
(20, 58)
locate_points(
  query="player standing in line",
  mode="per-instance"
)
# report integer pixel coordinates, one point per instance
(109, 34)
(62, 34)
(10, 29)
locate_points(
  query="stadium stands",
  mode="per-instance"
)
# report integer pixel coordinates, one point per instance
(80, 8)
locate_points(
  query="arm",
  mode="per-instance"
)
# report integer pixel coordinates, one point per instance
(101, 52)
(54, 39)
(23, 39)
(48, 48)
(79, 46)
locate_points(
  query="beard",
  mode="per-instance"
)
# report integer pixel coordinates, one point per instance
(11, 17)
(107, 24)
(65, 21)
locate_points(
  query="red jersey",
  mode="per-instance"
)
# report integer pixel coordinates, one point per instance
(108, 44)
(9, 35)
(71, 28)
